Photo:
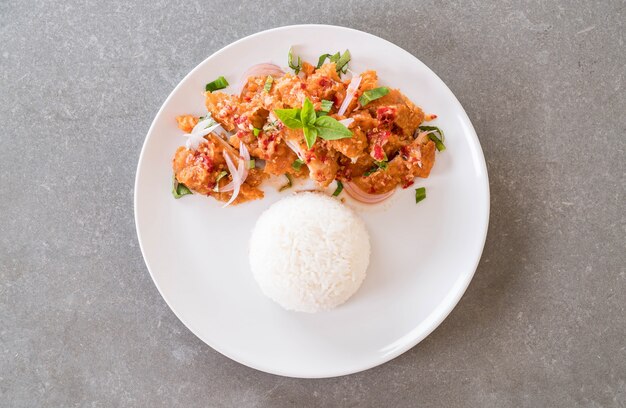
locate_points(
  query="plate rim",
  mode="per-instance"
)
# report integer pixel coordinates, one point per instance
(441, 312)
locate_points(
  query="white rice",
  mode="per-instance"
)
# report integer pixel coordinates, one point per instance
(309, 252)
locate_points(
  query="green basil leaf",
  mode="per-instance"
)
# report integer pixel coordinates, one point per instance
(289, 117)
(330, 129)
(307, 115)
(310, 134)
(420, 194)
(295, 66)
(297, 164)
(219, 83)
(179, 189)
(338, 189)
(268, 84)
(373, 94)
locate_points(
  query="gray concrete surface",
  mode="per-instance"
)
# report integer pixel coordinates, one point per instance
(543, 322)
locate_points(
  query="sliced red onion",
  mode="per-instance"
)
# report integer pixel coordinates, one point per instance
(360, 195)
(346, 122)
(261, 70)
(295, 147)
(352, 88)
(208, 121)
(234, 172)
(196, 137)
(242, 169)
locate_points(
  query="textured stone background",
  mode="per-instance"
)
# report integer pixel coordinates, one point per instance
(543, 322)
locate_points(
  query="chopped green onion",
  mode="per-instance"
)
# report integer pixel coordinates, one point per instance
(256, 131)
(420, 194)
(338, 189)
(219, 83)
(289, 183)
(342, 62)
(373, 94)
(297, 164)
(295, 66)
(438, 141)
(327, 105)
(370, 171)
(382, 164)
(251, 164)
(220, 176)
(321, 60)
(179, 189)
(268, 84)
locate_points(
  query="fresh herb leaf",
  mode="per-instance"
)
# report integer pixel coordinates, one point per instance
(373, 94)
(307, 114)
(321, 60)
(289, 117)
(342, 62)
(330, 129)
(256, 131)
(251, 164)
(383, 165)
(289, 183)
(220, 176)
(179, 189)
(293, 65)
(420, 194)
(438, 141)
(268, 84)
(370, 171)
(219, 83)
(310, 135)
(297, 164)
(327, 105)
(338, 189)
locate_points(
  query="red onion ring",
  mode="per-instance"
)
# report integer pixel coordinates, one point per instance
(234, 172)
(260, 70)
(360, 195)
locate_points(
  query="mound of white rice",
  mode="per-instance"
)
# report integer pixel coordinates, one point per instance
(309, 252)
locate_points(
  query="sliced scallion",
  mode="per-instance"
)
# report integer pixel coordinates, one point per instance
(289, 183)
(420, 194)
(179, 189)
(297, 164)
(268, 84)
(219, 83)
(438, 141)
(296, 66)
(220, 176)
(251, 164)
(338, 189)
(256, 131)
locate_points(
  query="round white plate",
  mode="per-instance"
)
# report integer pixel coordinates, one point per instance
(423, 255)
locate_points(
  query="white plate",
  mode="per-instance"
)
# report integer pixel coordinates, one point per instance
(423, 256)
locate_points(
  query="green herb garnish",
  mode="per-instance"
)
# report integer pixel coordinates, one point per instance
(420, 194)
(383, 165)
(297, 164)
(380, 165)
(296, 66)
(438, 141)
(340, 60)
(256, 131)
(219, 83)
(268, 84)
(251, 164)
(338, 189)
(324, 126)
(289, 183)
(179, 189)
(326, 107)
(372, 95)
(220, 176)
